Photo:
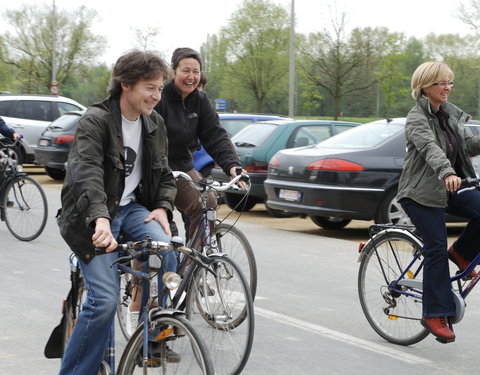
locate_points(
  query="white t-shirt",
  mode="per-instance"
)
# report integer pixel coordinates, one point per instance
(132, 151)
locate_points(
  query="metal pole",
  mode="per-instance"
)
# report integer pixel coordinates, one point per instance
(291, 88)
(54, 42)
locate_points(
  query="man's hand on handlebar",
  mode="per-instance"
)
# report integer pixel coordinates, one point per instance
(235, 171)
(103, 237)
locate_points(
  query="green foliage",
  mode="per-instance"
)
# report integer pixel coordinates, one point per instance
(42, 39)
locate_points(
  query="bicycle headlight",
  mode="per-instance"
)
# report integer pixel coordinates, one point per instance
(171, 280)
(19, 168)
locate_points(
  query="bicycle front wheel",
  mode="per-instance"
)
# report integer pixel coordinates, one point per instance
(220, 308)
(25, 208)
(174, 348)
(230, 240)
(393, 312)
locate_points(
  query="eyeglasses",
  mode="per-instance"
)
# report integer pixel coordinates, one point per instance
(443, 84)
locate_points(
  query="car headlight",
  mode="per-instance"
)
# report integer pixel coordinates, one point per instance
(171, 280)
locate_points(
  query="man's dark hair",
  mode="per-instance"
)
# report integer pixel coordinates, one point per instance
(184, 53)
(134, 66)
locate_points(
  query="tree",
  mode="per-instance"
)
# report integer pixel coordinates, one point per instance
(338, 66)
(470, 14)
(29, 47)
(256, 49)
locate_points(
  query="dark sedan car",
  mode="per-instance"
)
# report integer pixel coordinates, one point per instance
(353, 175)
(257, 143)
(54, 144)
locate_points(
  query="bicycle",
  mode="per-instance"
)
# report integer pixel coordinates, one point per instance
(23, 204)
(148, 351)
(390, 282)
(219, 304)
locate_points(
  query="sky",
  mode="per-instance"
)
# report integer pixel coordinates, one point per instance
(187, 23)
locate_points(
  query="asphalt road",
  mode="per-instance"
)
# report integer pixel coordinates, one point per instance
(308, 318)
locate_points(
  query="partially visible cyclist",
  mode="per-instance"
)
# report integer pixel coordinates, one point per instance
(8, 132)
(118, 181)
(438, 158)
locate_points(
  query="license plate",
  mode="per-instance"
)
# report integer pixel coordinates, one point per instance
(43, 142)
(290, 195)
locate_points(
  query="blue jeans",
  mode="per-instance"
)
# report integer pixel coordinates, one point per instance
(430, 223)
(86, 346)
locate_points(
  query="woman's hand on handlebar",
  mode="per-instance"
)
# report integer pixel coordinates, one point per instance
(453, 182)
(234, 171)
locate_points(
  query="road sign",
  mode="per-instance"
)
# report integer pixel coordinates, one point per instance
(221, 104)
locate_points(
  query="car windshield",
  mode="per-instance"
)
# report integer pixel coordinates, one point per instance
(364, 136)
(253, 135)
(63, 123)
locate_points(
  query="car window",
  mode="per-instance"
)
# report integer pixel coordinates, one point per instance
(5, 107)
(32, 110)
(341, 128)
(363, 136)
(321, 132)
(306, 136)
(67, 107)
(64, 123)
(253, 135)
(233, 126)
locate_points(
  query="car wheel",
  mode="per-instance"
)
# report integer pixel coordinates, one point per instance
(279, 213)
(55, 173)
(207, 170)
(330, 222)
(390, 211)
(233, 201)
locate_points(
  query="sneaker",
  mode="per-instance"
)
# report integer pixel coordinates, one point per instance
(461, 263)
(132, 321)
(155, 356)
(440, 328)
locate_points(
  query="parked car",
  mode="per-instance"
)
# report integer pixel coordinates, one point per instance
(257, 143)
(233, 123)
(29, 115)
(353, 175)
(55, 142)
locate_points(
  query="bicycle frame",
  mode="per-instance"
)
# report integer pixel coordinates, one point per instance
(414, 286)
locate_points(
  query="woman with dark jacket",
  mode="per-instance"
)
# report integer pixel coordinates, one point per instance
(438, 158)
(189, 117)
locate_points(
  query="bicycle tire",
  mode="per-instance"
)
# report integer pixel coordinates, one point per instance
(181, 338)
(25, 208)
(221, 310)
(230, 240)
(393, 315)
(124, 302)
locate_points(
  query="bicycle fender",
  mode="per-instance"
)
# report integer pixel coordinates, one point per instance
(370, 242)
(157, 312)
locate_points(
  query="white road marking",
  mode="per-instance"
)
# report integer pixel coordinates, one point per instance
(329, 333)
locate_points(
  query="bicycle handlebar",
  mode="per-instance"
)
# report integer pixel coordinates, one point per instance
(149, 246)
(469, 183)
(210, 184)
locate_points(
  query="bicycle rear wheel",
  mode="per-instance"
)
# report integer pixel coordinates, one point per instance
(25, 208)
(230, 240)
(220, 308)
(394, 314)
(172, 333)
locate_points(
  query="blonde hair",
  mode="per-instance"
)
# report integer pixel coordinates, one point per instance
(427, 74)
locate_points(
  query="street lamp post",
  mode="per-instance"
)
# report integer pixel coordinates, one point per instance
(291, 76)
